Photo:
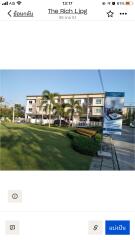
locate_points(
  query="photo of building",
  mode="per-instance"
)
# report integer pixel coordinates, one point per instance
(67, 120)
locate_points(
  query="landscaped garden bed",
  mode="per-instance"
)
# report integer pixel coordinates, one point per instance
(86, 132)
(87, 145)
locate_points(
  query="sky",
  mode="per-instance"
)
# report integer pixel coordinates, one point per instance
(15, 85)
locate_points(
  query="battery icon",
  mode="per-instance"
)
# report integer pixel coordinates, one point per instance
(129, 3)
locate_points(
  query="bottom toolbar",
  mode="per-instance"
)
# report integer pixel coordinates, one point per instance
(65, 225)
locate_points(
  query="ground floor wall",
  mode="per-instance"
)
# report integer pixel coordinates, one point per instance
(77, 121)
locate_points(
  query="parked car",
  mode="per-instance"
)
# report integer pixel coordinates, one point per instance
(19, 121)
(132, 124)
(63, 123)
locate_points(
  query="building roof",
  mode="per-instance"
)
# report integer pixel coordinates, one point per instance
(72, 94)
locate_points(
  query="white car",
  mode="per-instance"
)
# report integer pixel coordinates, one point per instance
(132, 124)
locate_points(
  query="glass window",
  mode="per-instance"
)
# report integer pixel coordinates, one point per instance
(98, 101)
(98, 110)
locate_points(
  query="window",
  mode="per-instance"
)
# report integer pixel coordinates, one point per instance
(66, 100)
(98, 110)
(98, 101)
(30, 109)
(30, 102)
(90, 101)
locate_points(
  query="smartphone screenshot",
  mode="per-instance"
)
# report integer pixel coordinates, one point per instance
(67, 120)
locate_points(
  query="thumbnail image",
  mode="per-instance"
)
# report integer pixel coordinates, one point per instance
(67, 120)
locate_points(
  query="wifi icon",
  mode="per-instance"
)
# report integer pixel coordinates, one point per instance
(19, 2)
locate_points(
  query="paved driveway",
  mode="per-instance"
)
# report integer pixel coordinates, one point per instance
(125, 148)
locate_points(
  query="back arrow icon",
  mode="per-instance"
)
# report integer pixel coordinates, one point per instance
(9, 13)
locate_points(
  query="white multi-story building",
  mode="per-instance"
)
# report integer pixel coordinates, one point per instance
(91, 103)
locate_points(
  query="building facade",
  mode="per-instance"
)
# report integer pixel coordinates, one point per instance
(92, 105)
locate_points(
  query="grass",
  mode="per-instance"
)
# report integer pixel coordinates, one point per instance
(33, 147)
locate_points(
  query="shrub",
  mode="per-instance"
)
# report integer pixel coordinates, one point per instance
(72, 134)
(84, 145)
(98, 137)
(126, 122)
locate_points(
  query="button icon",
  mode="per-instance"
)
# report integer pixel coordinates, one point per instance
(110, 13)
(15, 196)
(117, 227)
(9, 13)
(12, 227)
(95, 227)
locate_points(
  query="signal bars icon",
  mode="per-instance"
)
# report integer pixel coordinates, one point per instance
(5, 3)
(11, 3)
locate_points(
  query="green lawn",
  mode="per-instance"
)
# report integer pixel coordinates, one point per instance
(32, 147)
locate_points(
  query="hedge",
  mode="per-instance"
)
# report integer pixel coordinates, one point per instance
(84, 144)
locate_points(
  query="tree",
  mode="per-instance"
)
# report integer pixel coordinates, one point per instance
(48, 102)
(6, 112)
(73, 107)
(60, 111)
(19, 110)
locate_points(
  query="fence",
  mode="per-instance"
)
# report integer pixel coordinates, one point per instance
(40, 121)
(90, 124)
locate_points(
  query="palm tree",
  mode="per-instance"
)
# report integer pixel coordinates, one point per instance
(43, 108)
(60, 110)
(48, 101)
(73, 107)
